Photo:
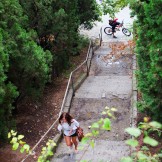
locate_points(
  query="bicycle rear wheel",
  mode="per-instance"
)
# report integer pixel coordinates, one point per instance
(108, 30)
(126, 32)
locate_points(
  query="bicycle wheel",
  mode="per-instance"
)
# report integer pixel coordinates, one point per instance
(108, 30)
(126, 32)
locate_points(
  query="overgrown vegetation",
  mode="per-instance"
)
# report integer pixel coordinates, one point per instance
(149, 55)
(142, 139)
(112, 7)
(96, 128)
(147, 29)
(36, 40)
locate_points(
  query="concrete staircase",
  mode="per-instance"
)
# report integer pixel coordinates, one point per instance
(109, 84)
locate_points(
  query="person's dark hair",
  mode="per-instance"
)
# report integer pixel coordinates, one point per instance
(68, 118)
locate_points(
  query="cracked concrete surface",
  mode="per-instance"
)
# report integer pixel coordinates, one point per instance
(102, 88)
(109, 84)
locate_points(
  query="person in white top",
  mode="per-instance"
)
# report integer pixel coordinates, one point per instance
(68, 125)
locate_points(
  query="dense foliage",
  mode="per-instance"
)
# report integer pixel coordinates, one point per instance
(112, 7)
(149, 54)
(23, 63)
(36, 40)
(148, 35)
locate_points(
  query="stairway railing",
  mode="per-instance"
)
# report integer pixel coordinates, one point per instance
(76, 77)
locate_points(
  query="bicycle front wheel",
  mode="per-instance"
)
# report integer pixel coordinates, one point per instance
(108, 30)
(126, 32)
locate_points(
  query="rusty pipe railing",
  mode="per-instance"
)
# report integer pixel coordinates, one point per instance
(71, 82)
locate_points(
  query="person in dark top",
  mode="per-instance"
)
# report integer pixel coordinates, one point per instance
(114, 23)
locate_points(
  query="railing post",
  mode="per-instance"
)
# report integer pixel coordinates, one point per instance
(87, 68)
(92, 49)
(72, 84)
(100, 36)
(100, 39)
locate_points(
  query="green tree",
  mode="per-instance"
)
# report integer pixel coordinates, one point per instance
(25, 67)
(63, 21)
(149, 54)
(7, 92)
(112, 7)
(37, 38)
(88, 12)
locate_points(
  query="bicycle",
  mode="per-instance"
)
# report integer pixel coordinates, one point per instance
(108, 30)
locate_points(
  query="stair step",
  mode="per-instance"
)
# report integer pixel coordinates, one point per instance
(105, 151)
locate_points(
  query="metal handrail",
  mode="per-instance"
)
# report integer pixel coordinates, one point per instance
(100, 36)
(67, 88)
(64, 99)
(90, 45)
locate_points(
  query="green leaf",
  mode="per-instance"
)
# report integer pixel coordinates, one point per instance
(26, 147)
(9, 135)
(50, 153)
(107, 108)
(22, 142)
(141, 155)
(132, 142)
(95, 125)
(95, 132)
(85, 140)
(155, 124)
(13, 133)
(39, 159)
(20, 137)
(22, 150)
(133, 131)
(145, 148)
(126, 159)
(42, 152)
(109, 114)
(113, 109)
(54, 144)
(44, 149)
(107, 124)
(88, 135)
(100, 121)
(49, 147)
(92, 143)
(48, 143)
(14, 140)
(150, 141)
(15, 146)
(103, 113)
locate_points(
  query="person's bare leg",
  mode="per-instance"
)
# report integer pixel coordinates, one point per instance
(69, 143)
(74, 140)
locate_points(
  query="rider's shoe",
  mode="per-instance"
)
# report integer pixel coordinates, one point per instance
(114, 37)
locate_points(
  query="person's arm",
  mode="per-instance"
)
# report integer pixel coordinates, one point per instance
(59, 127)
(76, 124)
